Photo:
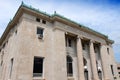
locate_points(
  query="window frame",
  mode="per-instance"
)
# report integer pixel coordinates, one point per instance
(40, 32)
(69, 66)
(44, 21)
(40, 72)
(38, 19)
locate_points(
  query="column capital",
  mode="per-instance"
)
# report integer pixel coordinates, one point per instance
(79, 37)
(103, 44)
(92, 41)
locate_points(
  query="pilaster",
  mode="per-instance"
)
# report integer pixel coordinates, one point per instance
(80, 59)
(103, 51)
(93, 62)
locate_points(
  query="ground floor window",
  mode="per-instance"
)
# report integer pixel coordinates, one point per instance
(100, 75)
(69, 66)
(86, 74)
(38, 67)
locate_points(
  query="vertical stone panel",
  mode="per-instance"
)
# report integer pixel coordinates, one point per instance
(80, 60)
(93, 62)
(59, 63)
(105, 62)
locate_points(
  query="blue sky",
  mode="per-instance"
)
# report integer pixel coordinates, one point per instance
(100, 15)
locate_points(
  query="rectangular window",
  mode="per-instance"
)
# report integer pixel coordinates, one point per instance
(118, 67)
(11, 66)
(38, 67)
(69, 42)
(119, 72)
(40, 32)
(83, 46)
(38, 19)
(108, 50)
(112, 69)
(43, 21)
(69, 66)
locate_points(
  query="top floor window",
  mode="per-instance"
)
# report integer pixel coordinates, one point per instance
(38, 19)
(83, 46)
(69, 42)
(43, 21)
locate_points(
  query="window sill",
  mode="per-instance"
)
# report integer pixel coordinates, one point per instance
(70, 78)
(38, 78)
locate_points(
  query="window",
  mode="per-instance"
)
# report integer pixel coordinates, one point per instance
(119, 72)
(112, 69)
(11, 66)
(83, 46)
(69, 66)
(40, 32)
(43, 21)
(86, 74)
(118, 67)
(108, 50)
(38, 19)
(100, 75)
(16, 32)
(84, 61)
(38, 67)
(69, 42)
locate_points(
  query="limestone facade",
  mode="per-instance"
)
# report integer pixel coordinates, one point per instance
(91, 53)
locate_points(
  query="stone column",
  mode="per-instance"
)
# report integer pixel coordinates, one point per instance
(80, 60)
(103, 52)
(93, 62)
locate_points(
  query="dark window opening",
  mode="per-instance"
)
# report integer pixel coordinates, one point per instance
(69, 42)
(83, 46)
(69, 66)
(86, 74)
(84, 61)
(43, 21)
(95, 49)
(38, 67)
(119, 72)
(38, 19)
(108, 50)
(40, 32)
(112, 69)
(100, 75)
(118, 67)
(16, 32)
(11, 66)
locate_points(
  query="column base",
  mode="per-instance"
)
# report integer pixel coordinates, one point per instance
(94, 79)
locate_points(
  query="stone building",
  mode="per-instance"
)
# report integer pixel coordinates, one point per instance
(39, 46)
